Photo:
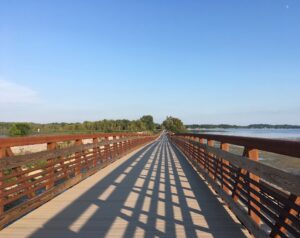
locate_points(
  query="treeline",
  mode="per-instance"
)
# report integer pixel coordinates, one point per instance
(174, 125)
(251, 126)
(144, 124)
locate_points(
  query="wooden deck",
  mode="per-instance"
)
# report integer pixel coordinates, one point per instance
(153, 192)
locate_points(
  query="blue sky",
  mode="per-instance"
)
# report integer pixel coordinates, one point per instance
(202, 61)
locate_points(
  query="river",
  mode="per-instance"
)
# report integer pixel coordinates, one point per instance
(293, 134)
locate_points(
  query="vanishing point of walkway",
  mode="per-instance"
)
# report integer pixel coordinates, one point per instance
(154, 192)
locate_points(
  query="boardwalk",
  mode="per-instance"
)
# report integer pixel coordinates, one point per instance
(151, 193)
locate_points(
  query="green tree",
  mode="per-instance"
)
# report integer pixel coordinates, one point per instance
(19, 129)
(148, 121)
(174, 125)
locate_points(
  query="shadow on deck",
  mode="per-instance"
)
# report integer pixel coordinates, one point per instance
(155, 192)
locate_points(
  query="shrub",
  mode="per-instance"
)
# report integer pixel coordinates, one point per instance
(19, 129)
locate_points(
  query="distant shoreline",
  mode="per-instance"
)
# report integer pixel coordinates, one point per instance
(251, 126)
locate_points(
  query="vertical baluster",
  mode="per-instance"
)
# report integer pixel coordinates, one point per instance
(2, 155)
(78, 158)
(202, 155)
(101, 151)
(282, 217)
(64, 167)
(121, 145)
(187, 146)
(129, 144)
(209, 164)
(253, 154)
(114, 147)
(126, 145)
(106, 149)
(225, 147)
(109, 149)
(118, 147)
(50, 166)
(96, 151)
(239, 180)
(193, 150)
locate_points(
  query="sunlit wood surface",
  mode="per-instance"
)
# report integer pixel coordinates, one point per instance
(152, 193)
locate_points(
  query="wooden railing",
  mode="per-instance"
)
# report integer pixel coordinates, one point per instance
(30, 179)
(265, 199)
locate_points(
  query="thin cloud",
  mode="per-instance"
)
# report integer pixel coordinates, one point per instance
(14, 93)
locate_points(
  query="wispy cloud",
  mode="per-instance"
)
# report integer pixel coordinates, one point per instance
(15, 93)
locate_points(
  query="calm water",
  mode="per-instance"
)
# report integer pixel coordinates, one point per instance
(293, 134)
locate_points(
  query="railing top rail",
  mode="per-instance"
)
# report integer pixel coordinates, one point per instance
(279, 146)
(19, 160)
(30, 140)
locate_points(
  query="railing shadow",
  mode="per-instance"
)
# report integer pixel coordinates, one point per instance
(156, 192)
(218, 220)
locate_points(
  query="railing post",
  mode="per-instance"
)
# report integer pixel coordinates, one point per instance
(96, 151)
(125, 145)
(50, 165)
(225, 147)
(130, 143)
(78, 156)
(2, 154)
(121, 145)
(202, 154)
(114, 147)
(111, 147)
(101, 151)
(210, 143)
(192, 149)
(118, 146)
(189, 146)
(282, 217)
(253, 154)
(107, 148)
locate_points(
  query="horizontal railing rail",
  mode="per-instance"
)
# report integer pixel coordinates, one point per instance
(32, 140)
(279, 146)
(27, 180)
(264, 198)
